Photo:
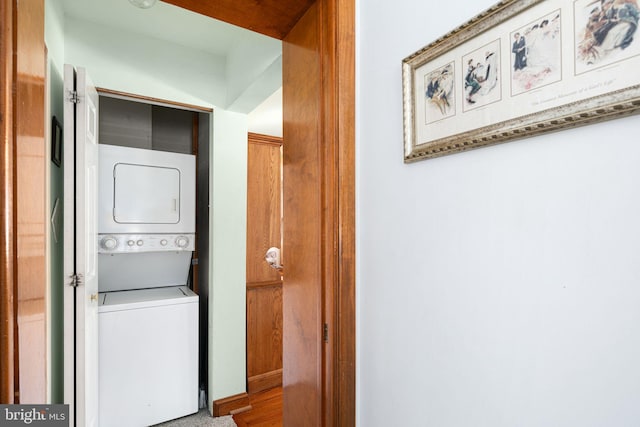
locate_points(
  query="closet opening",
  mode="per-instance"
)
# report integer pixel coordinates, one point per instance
(132, 121)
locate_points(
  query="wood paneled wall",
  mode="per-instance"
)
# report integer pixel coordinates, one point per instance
(264, 284)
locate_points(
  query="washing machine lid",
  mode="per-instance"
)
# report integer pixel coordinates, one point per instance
(145, 298)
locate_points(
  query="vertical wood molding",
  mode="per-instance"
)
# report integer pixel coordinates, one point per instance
(329, 153)
(7, 218)
(31, 214)
(319, 286)
(337, 29)
(303, 241)
(344, 364)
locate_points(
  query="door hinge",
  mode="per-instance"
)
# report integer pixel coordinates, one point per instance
(194, 261)
(73, 96)
(325, 333)
(76, 280)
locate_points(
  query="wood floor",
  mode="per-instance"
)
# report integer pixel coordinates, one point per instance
(266, 410)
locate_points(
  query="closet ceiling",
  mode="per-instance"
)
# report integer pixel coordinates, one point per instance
(251, 59)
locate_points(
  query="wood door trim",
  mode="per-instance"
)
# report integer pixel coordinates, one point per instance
(319, 155)
(304, 216)
(343, 367)
(231, 405)
(261, 382)
(151, 100)
(274, 18)
(7, 203)
(338, 68)
(258, 138)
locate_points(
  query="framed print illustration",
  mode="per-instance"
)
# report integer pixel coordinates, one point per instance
(521, 68)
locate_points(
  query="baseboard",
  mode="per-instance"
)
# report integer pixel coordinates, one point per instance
(265, 381)
(231, 405)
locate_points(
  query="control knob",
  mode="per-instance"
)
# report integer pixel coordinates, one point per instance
(109, 243)
(182, 242)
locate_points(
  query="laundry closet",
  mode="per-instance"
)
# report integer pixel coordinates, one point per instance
(153, 213)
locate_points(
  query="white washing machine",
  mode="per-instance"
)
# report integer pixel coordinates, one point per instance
(148, 366)
(147, 316)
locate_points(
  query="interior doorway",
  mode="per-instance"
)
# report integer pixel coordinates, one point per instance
(331, 30)
(319, 197)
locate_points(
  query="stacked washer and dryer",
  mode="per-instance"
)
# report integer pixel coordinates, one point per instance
(147, 316)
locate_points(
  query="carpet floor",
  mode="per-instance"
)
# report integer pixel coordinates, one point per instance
(201, 418)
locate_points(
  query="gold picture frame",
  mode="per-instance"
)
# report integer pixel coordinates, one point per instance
(521, 68)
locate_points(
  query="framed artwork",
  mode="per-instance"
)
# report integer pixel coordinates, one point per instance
(56, 142)
(521, 68)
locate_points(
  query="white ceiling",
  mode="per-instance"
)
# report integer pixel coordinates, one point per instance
(176, 25)
(164, 21)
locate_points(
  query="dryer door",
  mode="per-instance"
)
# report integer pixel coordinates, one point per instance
(146, 194)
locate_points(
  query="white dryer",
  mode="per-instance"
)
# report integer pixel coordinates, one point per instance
(145, 191)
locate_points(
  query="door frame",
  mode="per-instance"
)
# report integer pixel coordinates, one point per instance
(319, 150)
(8, 290)
(338, 22)
(19, 122)
(338, 169)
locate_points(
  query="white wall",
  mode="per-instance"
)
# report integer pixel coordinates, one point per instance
(267, 117)
(133, 63)
(253, 70)
(497, 287)
(54, 33)
(227, 292)
(54, 39)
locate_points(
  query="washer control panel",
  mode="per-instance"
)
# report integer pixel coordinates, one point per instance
(131, 243)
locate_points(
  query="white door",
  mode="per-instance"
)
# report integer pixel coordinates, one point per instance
(80, 241)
